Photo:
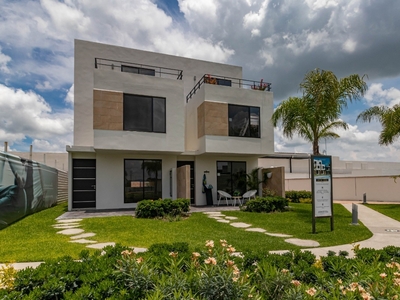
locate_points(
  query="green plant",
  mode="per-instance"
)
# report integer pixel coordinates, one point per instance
(161, 208)
(299, 196)
(267, 192)
(265, 205)
(253, 181)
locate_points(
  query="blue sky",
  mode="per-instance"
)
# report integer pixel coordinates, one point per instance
(276, 40)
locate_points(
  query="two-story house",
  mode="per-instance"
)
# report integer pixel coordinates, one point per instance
(150, 125)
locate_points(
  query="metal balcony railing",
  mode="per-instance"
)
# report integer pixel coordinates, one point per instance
(130, 67)
(229, 81)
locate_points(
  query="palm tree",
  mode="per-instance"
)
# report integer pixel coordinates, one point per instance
(389, 119)
(316, 114)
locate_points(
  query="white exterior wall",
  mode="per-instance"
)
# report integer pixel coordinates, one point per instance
(171, 141)
(85, 54)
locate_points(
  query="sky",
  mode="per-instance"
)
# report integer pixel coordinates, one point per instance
(278, 41)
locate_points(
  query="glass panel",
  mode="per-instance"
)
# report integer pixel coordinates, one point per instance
(138, 113)
(231, 177)
(225, 82)
(152, 176)
(239, 120)
(255, 122)
(149, 72)
(159, 114)
(134, 181)
(129, 69)
(239, 177)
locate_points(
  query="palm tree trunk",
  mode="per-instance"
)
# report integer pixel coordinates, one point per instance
(315, 147)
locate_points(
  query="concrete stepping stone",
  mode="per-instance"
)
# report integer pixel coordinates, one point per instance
(100, 245)
(82, 241)
(278, 234)
(231, 218)
(72, 231)
(303, 243)
(216, 217)
(223, 221)
(139, 250)
(240, 225)
(69, 220)
(66, 224)
(256, 229)
(83, 235)
(66, 227)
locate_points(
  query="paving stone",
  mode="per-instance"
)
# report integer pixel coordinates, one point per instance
(66, 224)
(69, 220)
(223, 221)
(304, 243)
(139, 250)
(240, 225)
(83, 235)
(100, 245)
(278, 234)
(216, 214)
(71, 231)
(82, 241)
(231, 218)
(256, 229)
(67, 227)
(216, 218)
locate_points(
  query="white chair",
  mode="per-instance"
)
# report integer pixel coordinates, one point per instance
(223, 195)
(248, 195)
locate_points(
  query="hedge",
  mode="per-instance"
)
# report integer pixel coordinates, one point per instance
(297, 196)
(265, 204)
(161, 208)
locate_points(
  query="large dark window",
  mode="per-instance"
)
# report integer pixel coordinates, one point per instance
(244, 120)
(143, 113)
(143, 180)
(231, 176)
(137, 70)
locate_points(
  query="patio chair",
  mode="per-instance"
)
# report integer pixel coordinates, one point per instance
(248, 195)
(223, 195)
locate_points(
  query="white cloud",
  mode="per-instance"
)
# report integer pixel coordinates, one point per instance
(193, 9)
(376, 95)
(69, 98)
(254, 20)
(34, 118)
(4, 60)
(349, 45)
(44, 86)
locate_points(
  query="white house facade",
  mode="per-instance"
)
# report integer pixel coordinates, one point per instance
(150, 125)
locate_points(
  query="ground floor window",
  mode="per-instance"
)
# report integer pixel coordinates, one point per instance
(143, 179)
(231, 176)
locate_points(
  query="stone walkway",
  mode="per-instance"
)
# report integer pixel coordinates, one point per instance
(220, 217)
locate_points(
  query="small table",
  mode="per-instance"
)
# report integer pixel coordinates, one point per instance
(236, 198)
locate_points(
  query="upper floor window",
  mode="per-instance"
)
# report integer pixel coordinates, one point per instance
(138, 70)
(144, 113)
(244, 120)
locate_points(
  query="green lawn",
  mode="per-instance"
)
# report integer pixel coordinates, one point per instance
(34, 238)
(390, 210)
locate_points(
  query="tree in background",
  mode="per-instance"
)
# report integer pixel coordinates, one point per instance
(389, 119)
(316, 114)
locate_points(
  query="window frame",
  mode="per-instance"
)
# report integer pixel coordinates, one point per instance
(152, 99)
(249, 117)
(233, 180)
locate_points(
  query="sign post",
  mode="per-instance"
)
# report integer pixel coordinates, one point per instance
(321, 177)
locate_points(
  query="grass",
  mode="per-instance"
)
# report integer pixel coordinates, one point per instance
(390, 210)
(34, 238)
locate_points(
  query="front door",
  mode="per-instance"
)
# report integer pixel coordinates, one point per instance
(83, 183)
(191, 164)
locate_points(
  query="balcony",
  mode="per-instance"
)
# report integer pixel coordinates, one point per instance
(230, 82)
(135, 68)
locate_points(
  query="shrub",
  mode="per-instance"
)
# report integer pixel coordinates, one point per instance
(298, 196)
(266, 204)
(161, 208)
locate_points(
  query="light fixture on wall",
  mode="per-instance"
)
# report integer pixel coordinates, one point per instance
(206, 172)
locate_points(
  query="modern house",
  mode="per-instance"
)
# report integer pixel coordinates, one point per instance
(150, 125)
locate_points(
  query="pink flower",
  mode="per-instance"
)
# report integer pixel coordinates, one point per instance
(311, 291)
(210, 261)
(210, 244)
(383, 275)
(296, 282)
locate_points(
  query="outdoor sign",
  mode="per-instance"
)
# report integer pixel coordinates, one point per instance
(26, 187)
(321, 170)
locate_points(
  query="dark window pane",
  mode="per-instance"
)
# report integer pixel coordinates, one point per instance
(238, 120)
(231, 176)
(255, 122)
(159, 115)
(129, 69)
(138, 113)
(149, 72)
(225, 82)
(143, 180)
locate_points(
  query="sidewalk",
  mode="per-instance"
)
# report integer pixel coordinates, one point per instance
(386, 231)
